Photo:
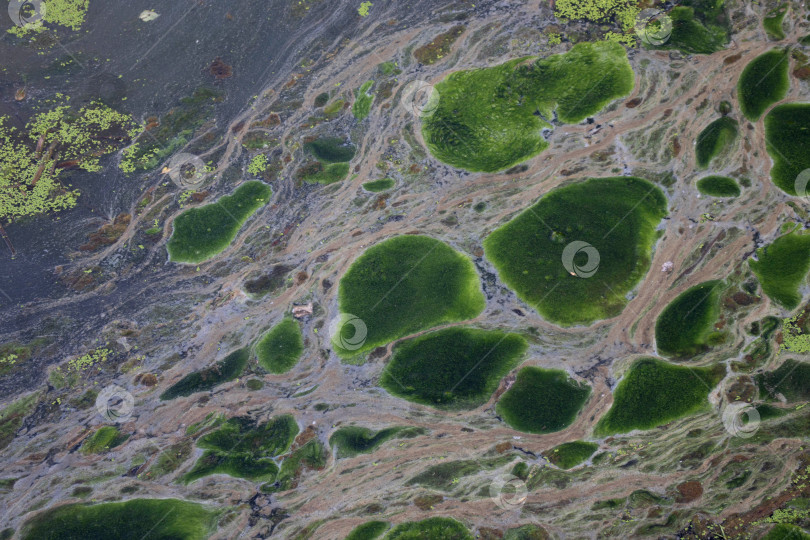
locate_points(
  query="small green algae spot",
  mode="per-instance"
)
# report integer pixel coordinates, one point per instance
(280, 348)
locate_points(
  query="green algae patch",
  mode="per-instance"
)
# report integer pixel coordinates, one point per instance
(401, 286)
(715, 140)
(763, 82)
(202, 233)
(787, 137)
(773, 23)
(686, 326)
(243, 449)
(571, 454)
(369, 531)
(225, 370)
(492, 118)
(435, 527)
(351, 441)
(318, 173)
(782, 267)
(102, 440)
(791, 380)
(456, 368)
(542, 400)
(376, 186)
(718, 186)
(157, 519)
(279, 349)
(654, 392)
(617, 217)
(363, 100)
(698, 26)
(331, 149)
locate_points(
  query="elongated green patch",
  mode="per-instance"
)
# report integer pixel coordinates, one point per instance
(787, 138)
(401, 286)
(376, 186)
(354, 440)
(763, 82)
(686, 326)
(279, 349)
(718, 186)
(616, 217)
(457, 368)
(654, 392)
(434, 528)
(225, 370)
(715, 140)
(492, 118)
(570, 454)
(363, 100)
(202, 233)
(542, 400)
(782, 267)
(103, 439)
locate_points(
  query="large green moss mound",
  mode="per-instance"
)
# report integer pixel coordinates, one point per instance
(457, 368)
(280, 348)
(542, 400)
(156, 519)
(686, 326)
(202, 233)
(782, 267)
(492, 118)
(654, 392)
(763, 82)
(616, 216)
(401, 286)
(787, 138)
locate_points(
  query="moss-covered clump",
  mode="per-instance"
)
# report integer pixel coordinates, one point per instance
(202, 233)
(782, 267)
(354, 440)
(369, 531)
(376, 186)
(571, 454)
(401, 286)
(280, 348)
(715, 140)
(225, 370)
(433, 528)
(787, 137)
(457, 368)
(654, 392)
(103, 439)
(763, 82)
(542, 400)
(363, 100)
(576, 253)
(686, 326)
(718, 186)
(491, 119)
(698, 26)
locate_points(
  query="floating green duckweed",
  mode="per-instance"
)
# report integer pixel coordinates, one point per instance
(714, 140)
(130, 520)
(490, 119)
(718, 186)
(542, 400)
(242, 449)
(616, 216)
(686, 326)
(376, 186)
(103, 439)
(571, 454)
(353, 440)
(787, 137)
(782, 267)
(654, 392)
(225, 370)
(433, 528)
(369, 531)
(363, 100)
(763, 82)
(457, 368)
(698, 27)
(202, 233)
(279, 349)
(404, 285)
